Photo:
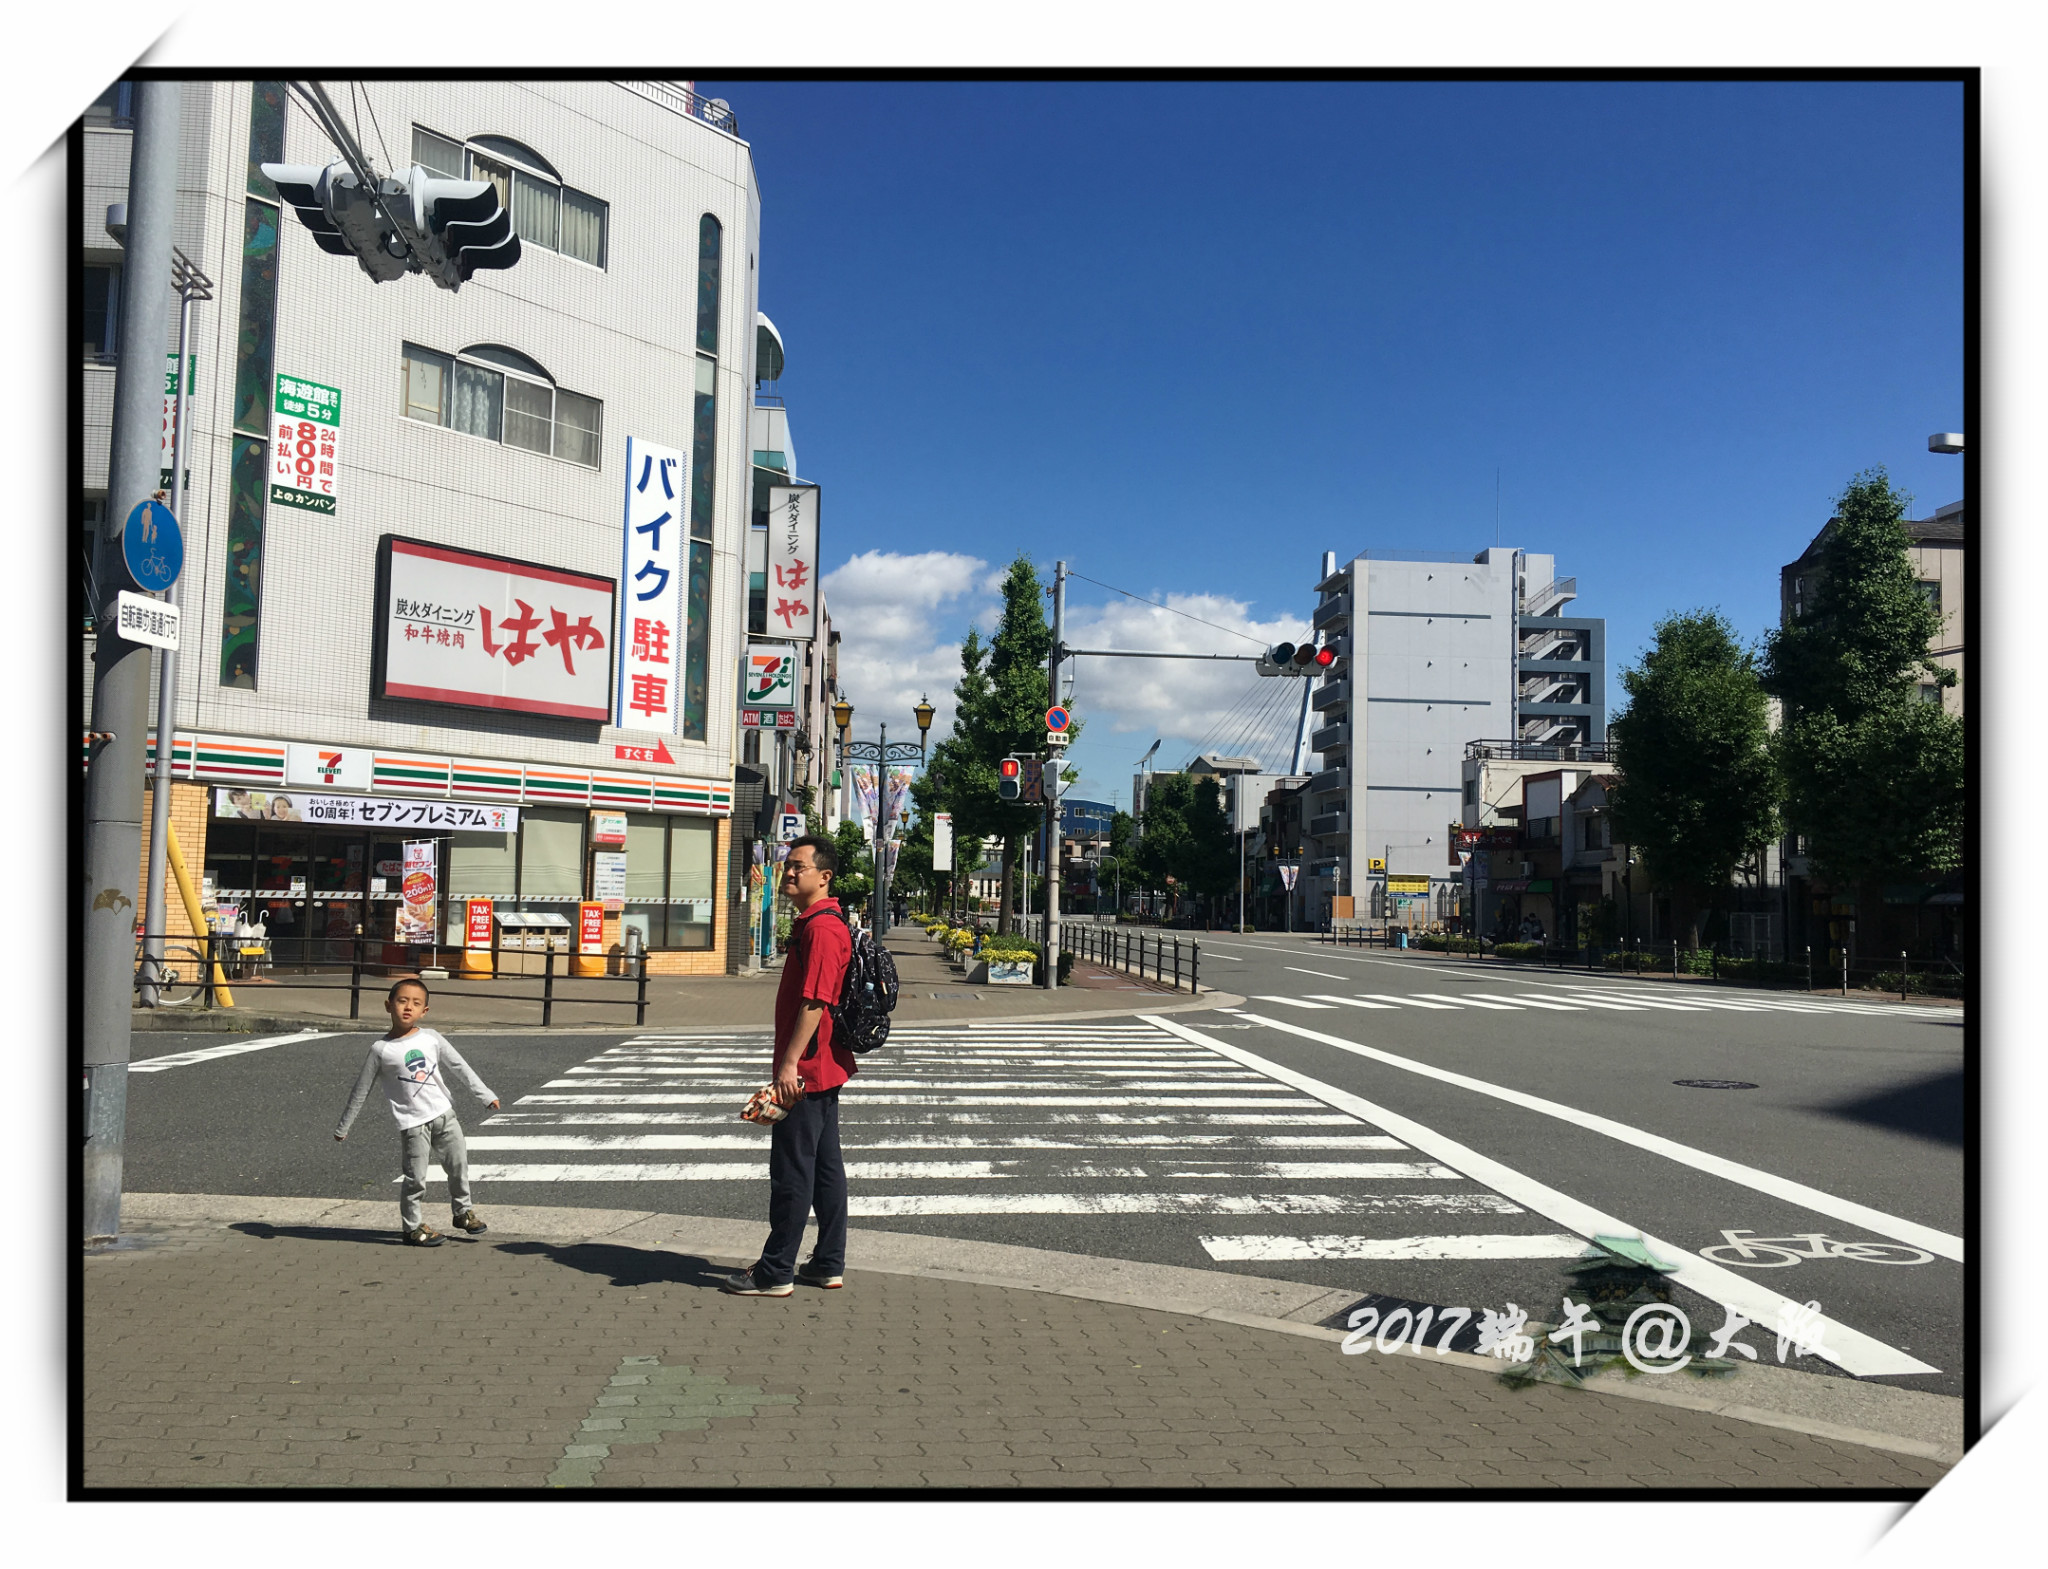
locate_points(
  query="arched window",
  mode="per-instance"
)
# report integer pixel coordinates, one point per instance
(710, 240)
(545, 211)
(499, 394)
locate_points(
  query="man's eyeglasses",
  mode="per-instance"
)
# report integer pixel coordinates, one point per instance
(798, 866)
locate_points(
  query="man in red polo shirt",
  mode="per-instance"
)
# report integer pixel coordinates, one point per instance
(804, 1166)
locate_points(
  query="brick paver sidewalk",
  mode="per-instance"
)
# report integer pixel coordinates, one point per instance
(316, 1352)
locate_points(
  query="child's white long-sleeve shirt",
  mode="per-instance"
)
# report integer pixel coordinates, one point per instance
(411, 1068)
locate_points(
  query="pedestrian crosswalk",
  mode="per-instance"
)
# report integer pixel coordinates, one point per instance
(1070, 1127)
(1570, 998)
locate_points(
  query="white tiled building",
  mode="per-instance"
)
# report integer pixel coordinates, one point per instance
(492, 420)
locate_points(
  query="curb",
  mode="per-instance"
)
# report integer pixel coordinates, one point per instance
(1876, 1416)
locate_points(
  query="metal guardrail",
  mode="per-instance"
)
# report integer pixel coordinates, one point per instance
(1808, 971)
(1129, 950)
(1543, 751)
(223, 952)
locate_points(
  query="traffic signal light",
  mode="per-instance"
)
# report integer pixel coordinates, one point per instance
(447, 229)
(1296, 659)
(1010, 778)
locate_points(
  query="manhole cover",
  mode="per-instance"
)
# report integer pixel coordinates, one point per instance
(1714, 1084)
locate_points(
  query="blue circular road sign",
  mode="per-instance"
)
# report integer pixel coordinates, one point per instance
(1057, 719)
(153, 546)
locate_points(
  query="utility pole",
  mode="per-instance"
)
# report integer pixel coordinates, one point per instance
(1055, 755)
(191, 284)
(120, 691)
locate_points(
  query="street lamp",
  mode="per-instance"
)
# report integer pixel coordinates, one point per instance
(924, 712)
(1945, 441)
(881, 753)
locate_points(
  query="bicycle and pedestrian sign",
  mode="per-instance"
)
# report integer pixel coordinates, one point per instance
(152, 546)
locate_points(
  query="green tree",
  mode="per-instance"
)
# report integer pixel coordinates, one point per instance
(1874, 777)
(1698, 791)
(1187, 842)
(856, 876)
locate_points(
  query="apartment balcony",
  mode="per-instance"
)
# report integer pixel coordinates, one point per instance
(1329, 736)
(1333, 694)
(1326, 827)
(1331, 781)
(1521, 750)
(1332, 612)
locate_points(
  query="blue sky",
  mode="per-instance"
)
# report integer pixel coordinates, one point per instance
(1189, 336)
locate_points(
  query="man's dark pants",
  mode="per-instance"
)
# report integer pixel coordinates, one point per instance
(805, 1172)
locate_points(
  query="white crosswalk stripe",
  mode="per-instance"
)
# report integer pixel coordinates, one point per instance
(1077, 1121)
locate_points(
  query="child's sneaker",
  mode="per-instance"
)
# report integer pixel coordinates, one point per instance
(466, 1220)
(811, 1274)
(423, 1236)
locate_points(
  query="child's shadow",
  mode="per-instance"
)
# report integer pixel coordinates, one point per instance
(624, 1266)
(373, 1237)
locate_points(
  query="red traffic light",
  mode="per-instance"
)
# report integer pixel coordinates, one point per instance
(1325, 657)
(1012, 767)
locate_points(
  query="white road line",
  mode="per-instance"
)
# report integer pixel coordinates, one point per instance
(1849, 1349)
(1349, 1002)
(878, 1204)
(1325, 974)
(1298, 1002)
(1612, 1007)
(1473, 1001)
(1323, 1170)
(1896, 1227)
(1543, 1002)
(182, 1059)
(1413, 1002)
(1471, 1245)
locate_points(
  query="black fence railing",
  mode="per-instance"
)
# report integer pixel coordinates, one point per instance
(1136, 953)
(194, 969)
(1811, 970)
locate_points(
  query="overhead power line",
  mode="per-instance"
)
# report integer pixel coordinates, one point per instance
(1169, 609)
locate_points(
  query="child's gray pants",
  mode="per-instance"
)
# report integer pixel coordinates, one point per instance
(443, 1138)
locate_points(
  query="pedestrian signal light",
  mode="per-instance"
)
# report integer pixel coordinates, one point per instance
(1010, 781)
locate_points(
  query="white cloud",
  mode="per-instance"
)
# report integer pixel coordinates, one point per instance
(900, 620)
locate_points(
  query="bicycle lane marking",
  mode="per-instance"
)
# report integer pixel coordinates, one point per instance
(1898, 1228)
(181, 1059)
(1851, 1350)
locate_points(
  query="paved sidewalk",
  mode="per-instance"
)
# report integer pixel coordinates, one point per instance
(932, 992)
(247, 1342)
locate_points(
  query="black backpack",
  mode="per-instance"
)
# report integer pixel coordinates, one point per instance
(868, 996)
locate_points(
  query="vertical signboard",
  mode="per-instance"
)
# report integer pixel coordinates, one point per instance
(477, 924)
(942, 841)
(793, 562)
(649, 694)
(590, 926)
(305, 454)
(417, 893)
(171, 411)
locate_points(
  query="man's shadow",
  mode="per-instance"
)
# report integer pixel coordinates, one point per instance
(623, 1266)
(377, 1237)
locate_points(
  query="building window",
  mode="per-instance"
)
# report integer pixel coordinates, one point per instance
(545, 211)
(115, 107)
(1930, 590)
(500, 395)
(266, 136)
(710, 241)
(102, 310)
(1930, 692)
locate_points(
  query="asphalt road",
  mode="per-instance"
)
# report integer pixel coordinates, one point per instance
(1230, 1140)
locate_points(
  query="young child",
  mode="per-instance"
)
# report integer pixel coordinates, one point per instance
(410, 1060)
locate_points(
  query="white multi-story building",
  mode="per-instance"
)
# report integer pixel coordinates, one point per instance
(455, 441)
(1437, 654)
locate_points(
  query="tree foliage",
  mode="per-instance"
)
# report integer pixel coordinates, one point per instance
(1698, 790)
(1874, 776)
(1187, 837)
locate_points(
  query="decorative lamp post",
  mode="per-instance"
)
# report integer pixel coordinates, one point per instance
(924, 712)
(881, 753)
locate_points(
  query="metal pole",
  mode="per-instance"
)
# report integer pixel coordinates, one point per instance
(120, 692)
(192, 284)
(882, 835)
(1051, 979)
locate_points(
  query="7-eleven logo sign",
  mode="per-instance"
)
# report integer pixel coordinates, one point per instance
(311, 766)
(330, 765)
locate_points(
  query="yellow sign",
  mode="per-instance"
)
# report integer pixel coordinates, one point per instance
(1375, 865)
(1407, 885)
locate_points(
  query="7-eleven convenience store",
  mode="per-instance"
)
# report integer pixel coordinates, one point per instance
(312, 841)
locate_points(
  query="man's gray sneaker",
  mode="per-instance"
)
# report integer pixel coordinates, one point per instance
(423, 1237)
(811, 1274)
(467, 1220)
(747, 1284)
